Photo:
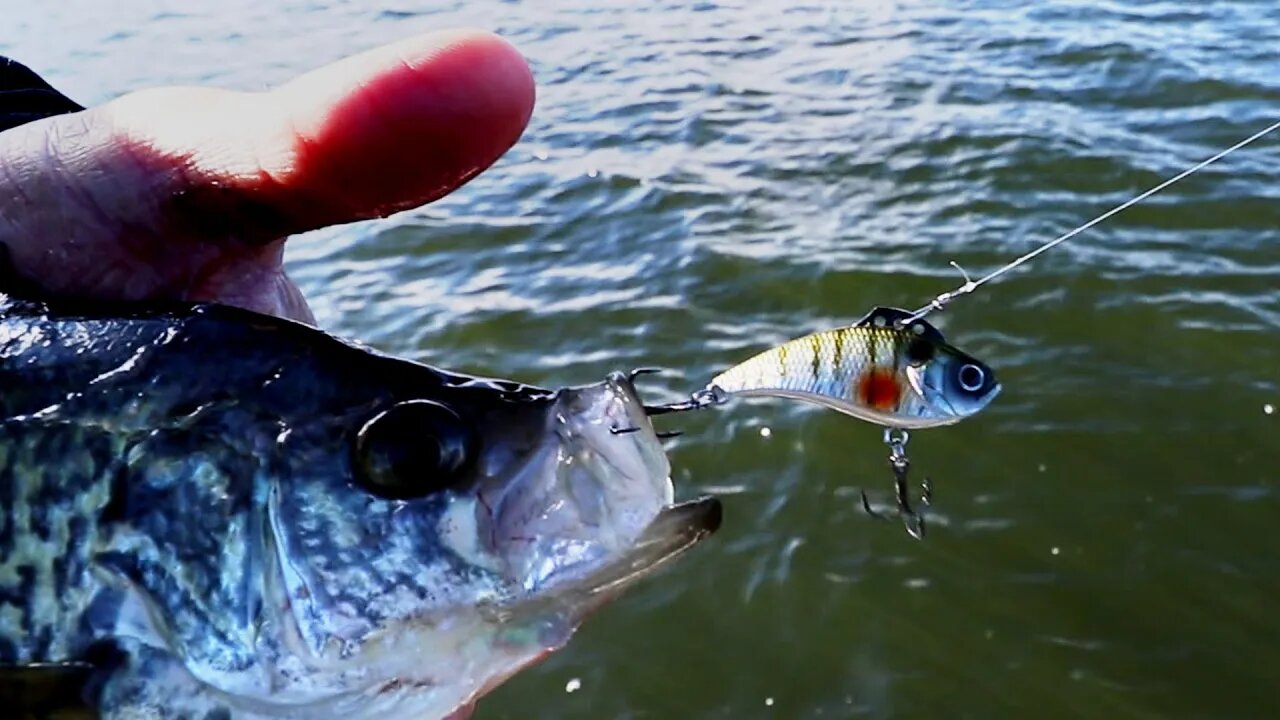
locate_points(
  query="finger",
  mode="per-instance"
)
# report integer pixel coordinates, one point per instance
(413, 122)
(186, 193)
(373, 134)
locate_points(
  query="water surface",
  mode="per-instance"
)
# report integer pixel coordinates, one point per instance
(704, 179)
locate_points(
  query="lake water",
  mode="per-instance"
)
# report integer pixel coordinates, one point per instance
(704, 179)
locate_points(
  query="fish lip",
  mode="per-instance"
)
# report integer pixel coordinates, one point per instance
(701, 516)
(622, 382)
(605, 426)
(677, 528)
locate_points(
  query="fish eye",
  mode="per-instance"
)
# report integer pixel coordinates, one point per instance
(971, 377)
(412, 450)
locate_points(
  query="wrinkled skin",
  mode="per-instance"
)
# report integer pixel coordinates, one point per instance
(188, 194)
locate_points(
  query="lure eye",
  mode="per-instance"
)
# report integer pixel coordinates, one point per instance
(971, 377)
(412, 450)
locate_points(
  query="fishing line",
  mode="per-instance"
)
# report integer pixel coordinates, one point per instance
(940, 302)
(866, 369)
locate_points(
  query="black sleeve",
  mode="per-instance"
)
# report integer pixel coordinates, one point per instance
(25, 97)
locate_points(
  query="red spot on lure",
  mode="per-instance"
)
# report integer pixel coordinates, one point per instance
(879, 389)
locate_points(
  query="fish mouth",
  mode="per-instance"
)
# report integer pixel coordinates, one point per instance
(595, 508)
(571, 505)
(676, 529)
(623, 526)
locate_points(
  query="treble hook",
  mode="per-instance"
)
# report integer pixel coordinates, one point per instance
(896, 439)
(710, 396)
(707, 397)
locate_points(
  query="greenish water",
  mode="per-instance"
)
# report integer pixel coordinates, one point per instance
(702, 180)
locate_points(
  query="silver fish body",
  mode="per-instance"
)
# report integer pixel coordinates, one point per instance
(214, 513)
(906, 377)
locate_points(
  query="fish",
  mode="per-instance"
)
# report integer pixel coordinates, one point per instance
(25, 96)
(878, 369)
(214, 514)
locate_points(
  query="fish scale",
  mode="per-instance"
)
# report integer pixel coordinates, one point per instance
(828, 364)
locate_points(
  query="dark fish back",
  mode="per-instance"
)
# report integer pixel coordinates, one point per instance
(108, 415)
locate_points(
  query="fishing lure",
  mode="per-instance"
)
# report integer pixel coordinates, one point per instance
(885, 369)
(892, 368)
(904, 377)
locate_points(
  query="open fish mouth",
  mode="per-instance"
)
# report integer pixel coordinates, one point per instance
(636, 450)
(593, 487)
(570, 514)
(609, 428)
(675, 529)
(569, 503)
(615, 522)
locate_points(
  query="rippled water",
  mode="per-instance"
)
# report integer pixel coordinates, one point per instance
(704, 179)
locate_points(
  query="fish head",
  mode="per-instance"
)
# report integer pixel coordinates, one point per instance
(952, 384)
(443, 542)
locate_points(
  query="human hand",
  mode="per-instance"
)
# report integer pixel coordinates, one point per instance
(189, 193)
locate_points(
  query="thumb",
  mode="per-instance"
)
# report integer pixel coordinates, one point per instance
(156, 193)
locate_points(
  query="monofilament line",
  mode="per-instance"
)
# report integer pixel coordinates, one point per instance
(969, 286)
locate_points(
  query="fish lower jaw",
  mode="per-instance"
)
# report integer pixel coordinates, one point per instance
(433, 666)
(422, 668)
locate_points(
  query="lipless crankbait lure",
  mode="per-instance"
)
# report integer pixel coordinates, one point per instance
(892, 368)
(886, 369)
(901, 377)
